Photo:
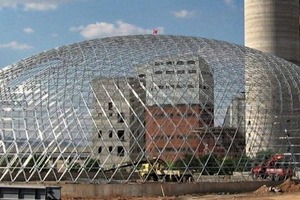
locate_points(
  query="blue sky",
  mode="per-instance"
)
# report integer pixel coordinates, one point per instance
(32, 26)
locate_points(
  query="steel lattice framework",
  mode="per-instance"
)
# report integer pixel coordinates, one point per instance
(98, 109)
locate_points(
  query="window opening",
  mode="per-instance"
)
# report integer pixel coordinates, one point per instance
(180, 71)
(170, 72)
(121, 135)
(110, 133)
(180, 62)
(99, 134)
(121, 151)
(192, 71)
(110, 105)
(190, 62)
(121, 117)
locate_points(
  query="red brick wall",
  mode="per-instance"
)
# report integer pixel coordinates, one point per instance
(177, 124)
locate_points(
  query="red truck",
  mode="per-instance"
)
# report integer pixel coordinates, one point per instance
(276, 168)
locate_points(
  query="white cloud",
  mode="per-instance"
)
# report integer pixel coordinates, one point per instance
(229, 2)
(28, 30)
(104, 29)
(15, 45)
(40, 5)
(183, 14)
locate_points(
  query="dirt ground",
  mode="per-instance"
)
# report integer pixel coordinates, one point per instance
(247, 196)
(289, 190)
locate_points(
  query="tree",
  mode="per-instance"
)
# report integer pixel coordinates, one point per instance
(227, 166)
(263, 155)
(188, 161)
(211, 164)
(243, 163)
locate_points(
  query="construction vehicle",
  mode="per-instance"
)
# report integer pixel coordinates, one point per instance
(276, 168)
(155, 170)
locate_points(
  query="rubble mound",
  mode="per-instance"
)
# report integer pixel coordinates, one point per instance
(262, 190)
(290, 186)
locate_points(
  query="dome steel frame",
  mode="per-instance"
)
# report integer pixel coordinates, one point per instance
(97, 110)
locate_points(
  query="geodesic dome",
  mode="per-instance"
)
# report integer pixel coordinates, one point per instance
(124, 108)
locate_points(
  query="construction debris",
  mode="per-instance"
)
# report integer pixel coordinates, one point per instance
(288, 186)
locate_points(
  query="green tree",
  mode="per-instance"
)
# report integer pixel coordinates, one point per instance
(227, 167)
(188, 161)
(243, 163)
(211, 164)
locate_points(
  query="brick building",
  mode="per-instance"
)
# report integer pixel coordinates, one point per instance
(181, 100)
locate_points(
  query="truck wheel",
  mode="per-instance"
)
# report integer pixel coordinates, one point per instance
(254, 176)
(272, 177)
(151, 177)
(155, 177)
(277, 177)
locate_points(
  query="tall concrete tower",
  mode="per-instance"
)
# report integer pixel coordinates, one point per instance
(273, 26)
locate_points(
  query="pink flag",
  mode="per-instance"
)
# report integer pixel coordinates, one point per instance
(154, 32)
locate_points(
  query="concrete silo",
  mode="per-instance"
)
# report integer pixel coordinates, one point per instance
(271, 117)
(273, 26)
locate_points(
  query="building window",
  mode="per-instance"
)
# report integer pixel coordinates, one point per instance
(169, 62)
(121, 135)
(110, 105)
(110, 149)
(180, 71)
(121, 151)
(190, 62)
(170, 72)
(110, 133)
(192, 71)
(180, 62)
(99, 149)
(158, 72)
(121, 117)
(99, 134)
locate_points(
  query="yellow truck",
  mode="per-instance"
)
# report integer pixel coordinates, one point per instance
(155, 170)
